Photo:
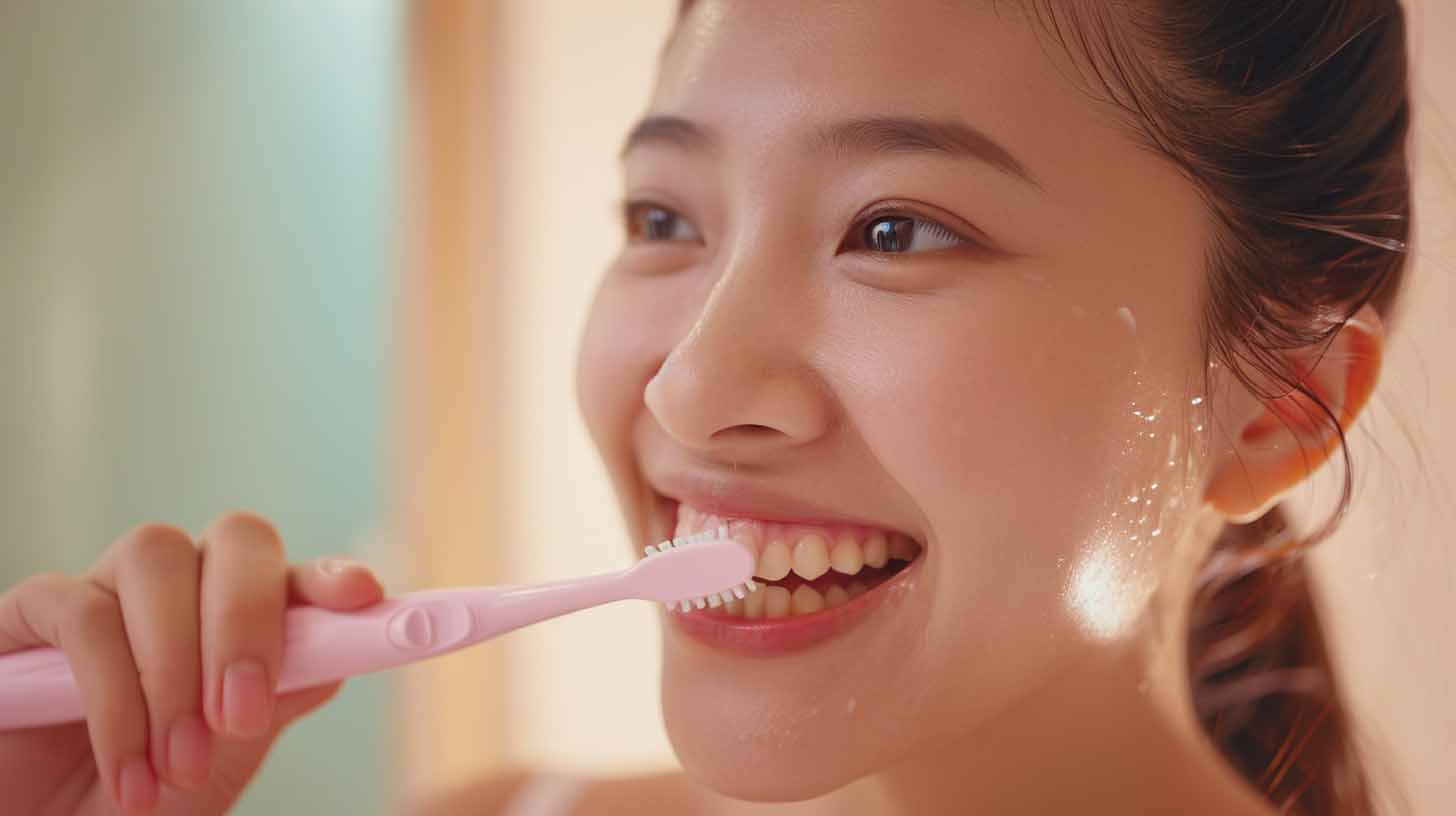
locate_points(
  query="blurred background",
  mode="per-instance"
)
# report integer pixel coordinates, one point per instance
(329, 260)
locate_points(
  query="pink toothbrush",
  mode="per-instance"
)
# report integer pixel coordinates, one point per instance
(37, 688)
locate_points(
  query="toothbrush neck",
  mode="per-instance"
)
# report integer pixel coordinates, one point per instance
(514, 607)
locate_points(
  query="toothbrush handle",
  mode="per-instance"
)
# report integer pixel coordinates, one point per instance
(319, 646)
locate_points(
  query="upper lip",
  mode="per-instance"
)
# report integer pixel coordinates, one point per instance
(733, 497)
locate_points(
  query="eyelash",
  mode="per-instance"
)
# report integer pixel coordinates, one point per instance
(855, 239)
(638, 230)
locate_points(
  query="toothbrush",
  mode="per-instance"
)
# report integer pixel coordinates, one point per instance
(321, 646)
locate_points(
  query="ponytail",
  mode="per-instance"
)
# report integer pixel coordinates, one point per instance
(1263, 683)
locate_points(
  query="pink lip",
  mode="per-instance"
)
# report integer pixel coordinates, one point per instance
(780, 636)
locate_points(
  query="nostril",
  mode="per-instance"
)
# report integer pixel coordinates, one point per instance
(746, 432)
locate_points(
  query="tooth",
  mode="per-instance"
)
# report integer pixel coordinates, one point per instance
(753, 604)
(856, 589)
(807, 600)
(847, 557)
(689, 520)
(735, 608)
(835, 596)
(728, 597)
(901, 548)
(774, 561)
(811, 556)
(775, 602)
(876, 550)
(714, 601)
(746, 534)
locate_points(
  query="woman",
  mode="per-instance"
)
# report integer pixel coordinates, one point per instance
(999, 329)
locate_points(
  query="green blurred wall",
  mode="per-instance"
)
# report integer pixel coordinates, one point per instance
(196, 237)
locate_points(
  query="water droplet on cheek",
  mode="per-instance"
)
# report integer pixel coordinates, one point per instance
(1125, 315)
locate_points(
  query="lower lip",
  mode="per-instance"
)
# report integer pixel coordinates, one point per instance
(775, 637)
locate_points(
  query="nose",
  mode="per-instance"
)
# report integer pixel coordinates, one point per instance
(741, 386)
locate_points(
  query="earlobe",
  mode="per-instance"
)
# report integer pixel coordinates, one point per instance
(1279, 443)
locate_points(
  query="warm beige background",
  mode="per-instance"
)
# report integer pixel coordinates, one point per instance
(567, 78)
(1391, 572)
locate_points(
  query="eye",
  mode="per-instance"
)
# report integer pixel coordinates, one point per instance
(900, 235)
(648, 222)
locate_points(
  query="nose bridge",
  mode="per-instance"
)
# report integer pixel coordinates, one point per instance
(742, 380)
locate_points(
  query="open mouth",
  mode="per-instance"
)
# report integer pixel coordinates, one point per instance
(815, 580)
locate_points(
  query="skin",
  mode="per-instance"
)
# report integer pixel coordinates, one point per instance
(1010, 397)
(1012, 402)
(150, 632)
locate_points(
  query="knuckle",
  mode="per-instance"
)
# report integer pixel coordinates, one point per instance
(245, 528)
(94, 614)
(157, 547)
(253, 613)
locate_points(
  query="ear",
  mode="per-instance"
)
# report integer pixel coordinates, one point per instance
(1273, 446)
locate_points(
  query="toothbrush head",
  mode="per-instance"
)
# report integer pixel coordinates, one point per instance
(700, 570)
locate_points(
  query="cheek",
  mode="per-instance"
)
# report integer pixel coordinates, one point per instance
(634, 323)
(619, 353)
(1014, 426)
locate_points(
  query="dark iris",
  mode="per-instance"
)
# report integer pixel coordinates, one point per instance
(658, 224)
(892, 233)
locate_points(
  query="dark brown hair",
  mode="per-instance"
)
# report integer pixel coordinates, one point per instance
(1291, 118)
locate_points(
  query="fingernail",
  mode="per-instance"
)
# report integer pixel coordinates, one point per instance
(247, 702)
(337, 566)
(189, 751)
(137, 785)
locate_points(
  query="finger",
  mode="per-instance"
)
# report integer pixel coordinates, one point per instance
(22, 607)
(84, 621)
(237, 760)
(155, 570)
(244, 588)
(333, 583)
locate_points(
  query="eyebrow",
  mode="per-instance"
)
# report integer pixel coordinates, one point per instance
(893, 134)
(873, 134)
(672, 131)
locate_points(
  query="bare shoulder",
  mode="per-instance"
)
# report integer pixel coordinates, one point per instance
(670, 792)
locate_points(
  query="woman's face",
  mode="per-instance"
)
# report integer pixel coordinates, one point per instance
(894, 284)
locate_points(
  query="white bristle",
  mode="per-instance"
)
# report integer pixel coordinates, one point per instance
(714, 601)
(752, 585)
(727, 597)
(740, 593)
(701, 603)
(649, 550)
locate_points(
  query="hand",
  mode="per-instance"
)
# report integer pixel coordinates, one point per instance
(175, 647)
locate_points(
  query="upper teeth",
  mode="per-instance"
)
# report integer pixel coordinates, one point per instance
(811, 557)
(807, 552)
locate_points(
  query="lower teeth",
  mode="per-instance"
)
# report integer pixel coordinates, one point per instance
(793, 596)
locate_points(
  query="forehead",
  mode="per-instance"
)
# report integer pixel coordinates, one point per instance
(765, 68)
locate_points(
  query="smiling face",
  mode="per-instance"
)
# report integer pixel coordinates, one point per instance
(891, 275)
